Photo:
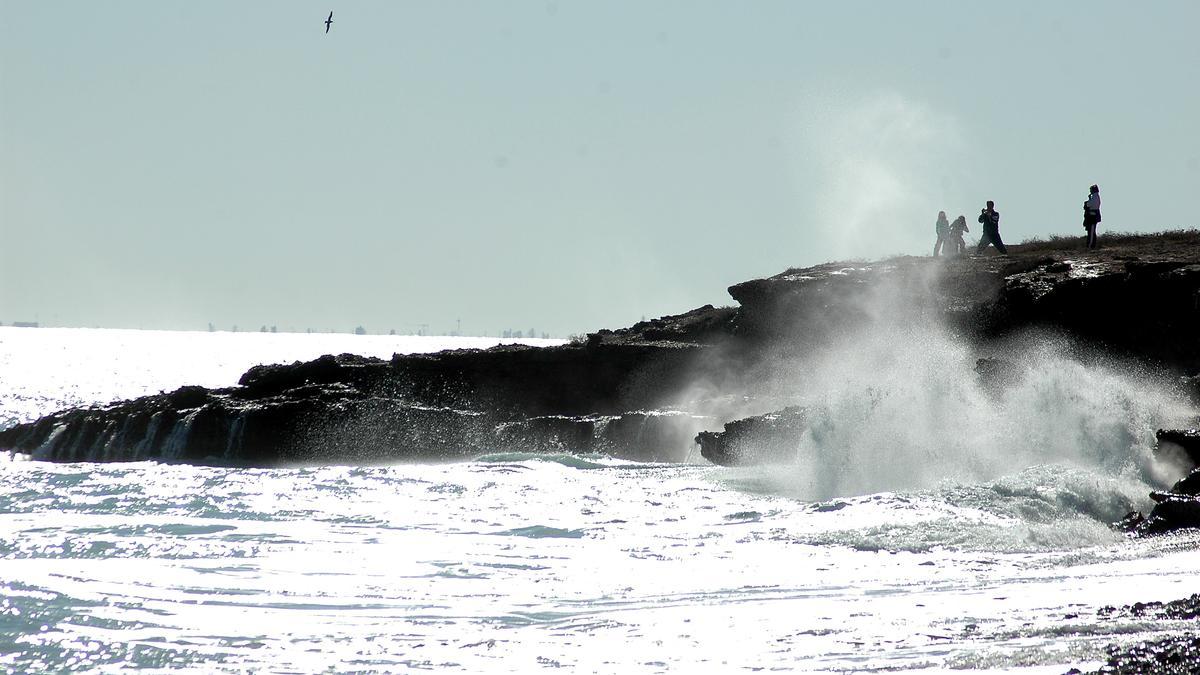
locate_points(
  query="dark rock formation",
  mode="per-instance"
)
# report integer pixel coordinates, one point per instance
(1178, 508)
(1175, 654)
(1130, 522)
(355, 409)
(659, 436)
(1143, 301)
(1188, 485)
(1171, 512)
(773, 438)
(1176, 610)
(1179, 444)
(645, 391)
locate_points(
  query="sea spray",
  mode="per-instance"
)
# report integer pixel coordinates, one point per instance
(894, 400)
(905, 409)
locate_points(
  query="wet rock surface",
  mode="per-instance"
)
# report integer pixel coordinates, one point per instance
(1141, 299)
(1188, 485)
(1178, 654)
(1184, 609)
(1171, 512)
(659, 436)
(623, 391)
(1179, 507)
(773, 438)
(1175, 654)
(1181, 444)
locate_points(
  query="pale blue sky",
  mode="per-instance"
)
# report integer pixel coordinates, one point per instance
(557, 165)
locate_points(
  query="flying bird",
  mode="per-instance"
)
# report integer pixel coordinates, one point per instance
(328, 22)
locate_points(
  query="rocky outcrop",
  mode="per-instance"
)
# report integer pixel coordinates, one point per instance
(1179, 507)
(646, 391)
(1181, 445)
(659, 436)
(773, 438)
(361, 410)
(307, 424)
(1141, 301)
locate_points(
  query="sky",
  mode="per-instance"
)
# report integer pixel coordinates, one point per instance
(561, 166)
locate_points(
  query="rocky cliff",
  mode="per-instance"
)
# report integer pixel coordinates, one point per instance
(646, 391)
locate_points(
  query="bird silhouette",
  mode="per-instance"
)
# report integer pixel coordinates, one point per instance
(328, 22)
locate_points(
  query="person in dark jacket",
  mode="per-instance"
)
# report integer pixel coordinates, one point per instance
(942, 230)
(990, 218)
(1091, 215)
(957, 244)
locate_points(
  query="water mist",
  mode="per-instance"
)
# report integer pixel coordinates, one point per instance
(894, 403)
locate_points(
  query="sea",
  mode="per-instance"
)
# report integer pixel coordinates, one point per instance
(928, 524)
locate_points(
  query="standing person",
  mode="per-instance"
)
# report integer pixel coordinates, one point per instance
(990, 218)
(943, 232)
(1091, 215)
(957, 243)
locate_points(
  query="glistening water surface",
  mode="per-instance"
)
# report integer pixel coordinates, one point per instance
(523, 563)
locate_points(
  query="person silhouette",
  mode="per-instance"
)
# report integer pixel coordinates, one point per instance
(942, 229)
(957, 243)
(1091, 215)
(990, 218)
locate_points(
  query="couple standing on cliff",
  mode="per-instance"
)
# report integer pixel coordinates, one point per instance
(951, 233)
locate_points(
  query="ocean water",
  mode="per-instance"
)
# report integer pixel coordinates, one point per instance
(927, 525)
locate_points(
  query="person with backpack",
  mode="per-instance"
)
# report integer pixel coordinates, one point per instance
(1091, 215)
(990, 218)
(957, 243)
(942, 229)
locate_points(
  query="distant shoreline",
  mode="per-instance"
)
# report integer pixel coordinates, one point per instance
(370, 336)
